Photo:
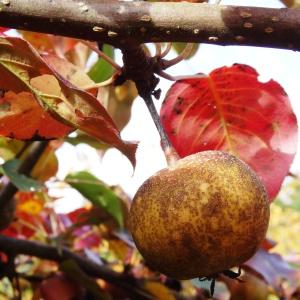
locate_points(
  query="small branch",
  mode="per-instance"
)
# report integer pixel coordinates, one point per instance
(118, 22)
(167, 50)
(183, 55)
(43, 251)
(102, 55)
(97, 85)
(157, 49)
(293, 175)
(27, 165)
(170, 153)
(141, 69)
(165, 143)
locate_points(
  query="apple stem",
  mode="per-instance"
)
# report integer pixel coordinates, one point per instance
(169, 151)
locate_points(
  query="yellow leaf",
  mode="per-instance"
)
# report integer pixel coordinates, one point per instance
(158, 290)
(46, 167)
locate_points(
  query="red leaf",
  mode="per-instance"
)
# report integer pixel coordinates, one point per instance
(87, 240)
(60, 286)
(267, 244)
(3, 29)
(27, 216)
(231, 110)
(24, 119)
(78, 215)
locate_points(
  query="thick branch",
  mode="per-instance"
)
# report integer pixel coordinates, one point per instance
(117, 22)
(16, 246)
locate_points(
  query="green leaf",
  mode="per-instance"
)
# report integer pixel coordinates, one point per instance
(97, 192)
(22, 182)
(179, 47)
(102, 70)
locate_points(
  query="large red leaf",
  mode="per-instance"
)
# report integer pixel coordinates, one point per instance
(231, 110)
(22, 69)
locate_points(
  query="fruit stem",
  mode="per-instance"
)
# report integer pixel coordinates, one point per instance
(169, 151)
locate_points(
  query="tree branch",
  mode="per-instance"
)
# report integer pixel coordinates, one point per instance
(119, 22)
(32, 248)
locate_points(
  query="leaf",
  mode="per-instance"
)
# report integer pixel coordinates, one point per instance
(94, 216)
(82, 138)
(179, 47)
(54, 44)
(21, 117)
(102, 70)
(267, 244)
(9, 147)
(69, 71)
(25, 70)
(290, 195)
(71, 268)
(158, 290)
(28, 219)
(58, 285)
(78, 55)
(3, 29)
(97, 192)
(273, 269)
(118, 101)
(231, 110)
(21, 181)
(291, 3)
(284, 227)
(87, 239)
(119, 248)
(46, 167)
(252, 287)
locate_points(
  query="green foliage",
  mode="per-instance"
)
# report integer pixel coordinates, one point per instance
(97, 192)
(179, 47)
(102, 70)
(22, 182)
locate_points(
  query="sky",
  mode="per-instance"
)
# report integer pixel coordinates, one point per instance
(114, 169)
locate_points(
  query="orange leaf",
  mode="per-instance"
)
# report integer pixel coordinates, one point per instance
(21, 117)
(49, 43)
(46, 166)
(26, 71)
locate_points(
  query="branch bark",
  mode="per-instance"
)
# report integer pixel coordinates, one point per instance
(11, 245)
(117, 23)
